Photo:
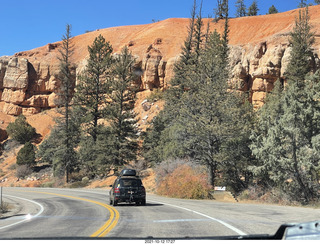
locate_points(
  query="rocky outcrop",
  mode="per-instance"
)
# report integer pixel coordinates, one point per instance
(154, 68)
(256, 69)
(259, 55)
(29, 86)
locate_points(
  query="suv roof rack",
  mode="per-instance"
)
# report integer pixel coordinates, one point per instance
(128, 172)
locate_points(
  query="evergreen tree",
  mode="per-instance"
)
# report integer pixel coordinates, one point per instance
(301, 39)
(53, 149)
(199, 122)
(59, 148)
(241, 8)
(68, 79)
(21, 130)
(95, 156)
(317, 1)
(121, 116)
(238, 158)
(94, 85)
(187, 59)
(221, 10)
(152, 151)
(253, 9)
(26, 155)
(287, 147)
(198, 34)
(206, 126)
(267, 117)
(167, 146)
(273, 10)
(302, 4)
(91, 100)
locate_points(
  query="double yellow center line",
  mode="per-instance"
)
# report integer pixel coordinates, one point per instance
(108, 226)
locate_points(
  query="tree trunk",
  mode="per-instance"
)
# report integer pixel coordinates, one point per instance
(212, 167)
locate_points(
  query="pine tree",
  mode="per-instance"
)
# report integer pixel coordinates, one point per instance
(187, 55)
(317, 1)
(68, 79)
(253, 9)
(267, 117)
(94, 85)
(198, 34)
(167, 145)
(287, 145)
(241, 8)
(273, 10)
(199, 122)
(301, 39)
(221, 10)
(59, 148)
(152, 151)
(53, 150)
(95, 156)
(121, 115)
(302, 4)
(91, 100)
(206, 127)
(236, 151)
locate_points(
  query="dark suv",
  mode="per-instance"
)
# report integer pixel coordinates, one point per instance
(127, 188)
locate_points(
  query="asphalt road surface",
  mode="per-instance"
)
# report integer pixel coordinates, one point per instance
(66, 213)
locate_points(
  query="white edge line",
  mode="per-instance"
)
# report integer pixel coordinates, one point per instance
(204, 215)
(36, 215)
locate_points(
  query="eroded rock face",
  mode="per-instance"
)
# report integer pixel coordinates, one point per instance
(16, 74)
(153, 67)
(257, 68)
(27, 87)
(30, 86)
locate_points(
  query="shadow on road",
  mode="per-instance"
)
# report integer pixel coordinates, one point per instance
(134, 205)
(11, 216)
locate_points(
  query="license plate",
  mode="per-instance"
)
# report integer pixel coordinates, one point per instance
(130, 192)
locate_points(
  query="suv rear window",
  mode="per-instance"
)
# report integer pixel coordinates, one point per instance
(130, 183)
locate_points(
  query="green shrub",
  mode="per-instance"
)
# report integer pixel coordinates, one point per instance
(78, 184)
(156, 95)
(26, 155)
(21, 130)
(49, 184)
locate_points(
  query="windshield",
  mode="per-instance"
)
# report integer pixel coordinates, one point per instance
(130, 183)
(169, 119)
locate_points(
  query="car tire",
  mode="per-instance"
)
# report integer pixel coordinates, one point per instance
(114, 203)
(143, 202)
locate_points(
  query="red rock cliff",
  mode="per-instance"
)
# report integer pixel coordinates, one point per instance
(259, 55)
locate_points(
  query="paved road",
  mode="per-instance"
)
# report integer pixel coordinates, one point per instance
(48, 212)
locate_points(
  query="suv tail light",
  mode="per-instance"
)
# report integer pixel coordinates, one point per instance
(143, 189)
(116, 190)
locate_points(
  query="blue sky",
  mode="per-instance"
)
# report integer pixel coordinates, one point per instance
(27, 24)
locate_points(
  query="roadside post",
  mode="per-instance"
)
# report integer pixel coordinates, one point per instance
(0, 196)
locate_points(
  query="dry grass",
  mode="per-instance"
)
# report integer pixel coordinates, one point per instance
(184, 182)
